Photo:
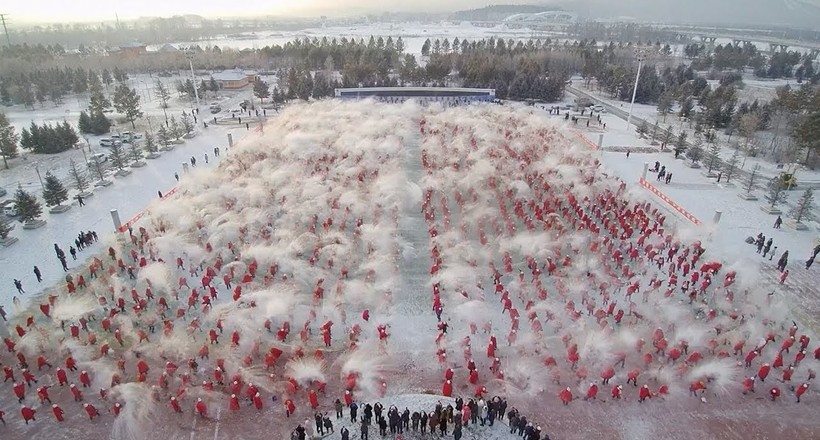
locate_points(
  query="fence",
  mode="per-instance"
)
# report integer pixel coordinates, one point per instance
(669, 201)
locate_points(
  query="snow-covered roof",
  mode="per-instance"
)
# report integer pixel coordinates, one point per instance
(168, 47)
(132, 44)
(230, 75)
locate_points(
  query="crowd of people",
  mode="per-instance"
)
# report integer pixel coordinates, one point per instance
(450, 419)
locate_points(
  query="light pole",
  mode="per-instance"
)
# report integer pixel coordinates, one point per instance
(641, 56)
(190, 55)
(83, 149)
(37, 169)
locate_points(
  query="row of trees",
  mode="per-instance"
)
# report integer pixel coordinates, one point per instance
(54, 84)
(48, 139)
(739, 57)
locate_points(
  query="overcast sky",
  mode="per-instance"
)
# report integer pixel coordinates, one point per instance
(98, 10)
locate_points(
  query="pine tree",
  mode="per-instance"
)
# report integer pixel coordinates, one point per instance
(27, 205)
(8, 140)
(695, 151)
(127, 102)
(163, 137)
(150, 146)
(731, 165)
(97, 102)
(163, 94)
(777, 192)
(803, 208)
(187, 125)
(54, 193)
(84, 124)
(174, 129)
(134, 151)
(97, 167)
(118, 156)
(666, 137)
(680, 143)
(713, 157)
(642, 129)
(261, 90)
(100, 124)
(78, 176)
(5, 228)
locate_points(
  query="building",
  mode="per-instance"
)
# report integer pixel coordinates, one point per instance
(234, 79)
(542, 18)
(446, 95)
(131, 50)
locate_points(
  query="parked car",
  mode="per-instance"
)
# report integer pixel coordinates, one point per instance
(215, 108)
(599, 108)
(99, 157)
(108, 142)
(9, 208)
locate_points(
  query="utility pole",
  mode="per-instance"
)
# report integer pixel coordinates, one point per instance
(189, 53)
(5, 29)
(641, 56)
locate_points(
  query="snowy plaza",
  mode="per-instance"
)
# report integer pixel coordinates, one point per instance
(368, 251)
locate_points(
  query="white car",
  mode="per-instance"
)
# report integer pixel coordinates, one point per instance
(99, 158)
(599, 108)
(108, 142)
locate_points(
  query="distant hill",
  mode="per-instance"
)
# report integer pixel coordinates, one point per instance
(791, 13)
(496, 12)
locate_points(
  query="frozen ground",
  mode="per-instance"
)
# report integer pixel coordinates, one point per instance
(409, 189)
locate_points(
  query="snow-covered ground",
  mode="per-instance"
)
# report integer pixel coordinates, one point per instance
(387, 209)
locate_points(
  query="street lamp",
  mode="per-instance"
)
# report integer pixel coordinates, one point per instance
(189, 53)
(37, 169)
(640, 55)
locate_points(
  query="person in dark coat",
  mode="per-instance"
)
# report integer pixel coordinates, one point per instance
(300, 432)
(442, 425)
(382, 426)
(364, 427)
(353, 409)
(423, 422)
(345, 433)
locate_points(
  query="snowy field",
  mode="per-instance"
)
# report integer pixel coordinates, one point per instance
(317, 254)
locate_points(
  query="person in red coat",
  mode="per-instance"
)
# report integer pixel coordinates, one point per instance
(644, 393)
(62, 378)
(42, 393)
(27, 413)
(313, 399)
(116, 409)
(201, 409)
(290, 407)
(257, 401)
(565, 395)
(801, 390)
(749, 385)
(592, 392)
(233, 404)
(58, 413)
(774, 393)
(447, 388)
(78, 395)
(175, 405)
(616, 391)
(19, 391)
(85, 379)
(763, 372)
(90, 410)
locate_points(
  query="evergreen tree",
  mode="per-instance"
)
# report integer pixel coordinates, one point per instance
(695, 151)
(175, 130)
(213, 85)
(118, 156)
(84, 124)
(127, 102)
(665, 104)
(5, 96)
(261, 90)
(106, 77)
(100, 124)
(54, 193)
(803, 208)
(777, 192)
(8, 140)
(186, 123)
(731, 165)
(666, 137)
(712, 157)
(97, 102)
(643, 129)
(680, 143)
(150, 145)
(425, 48)
(27, 205)
(77, 176)
(749, 185)
(163, 94)
(5, 228)
(163, 136)
(134, 151)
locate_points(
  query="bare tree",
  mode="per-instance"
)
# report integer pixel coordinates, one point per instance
(748, 127)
